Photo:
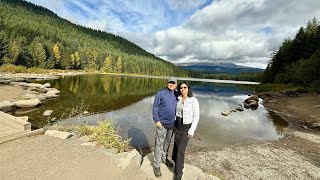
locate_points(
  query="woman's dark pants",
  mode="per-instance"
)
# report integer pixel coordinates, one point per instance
(180, 143)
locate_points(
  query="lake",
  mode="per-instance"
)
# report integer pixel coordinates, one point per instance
(128, 102)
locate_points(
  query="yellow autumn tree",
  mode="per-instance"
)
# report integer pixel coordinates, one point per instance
(107, 64)
(56, 53)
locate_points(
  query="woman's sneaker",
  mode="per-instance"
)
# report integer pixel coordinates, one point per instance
(168, 163)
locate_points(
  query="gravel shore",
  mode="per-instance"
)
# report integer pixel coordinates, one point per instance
(296, 156)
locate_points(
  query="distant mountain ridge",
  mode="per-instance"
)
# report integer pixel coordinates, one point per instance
(219, 68)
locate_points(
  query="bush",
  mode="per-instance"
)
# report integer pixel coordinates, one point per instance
(106, 135)
(12, 68)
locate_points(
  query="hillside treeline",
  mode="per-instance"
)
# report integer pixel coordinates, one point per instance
(298, 60)
(33, 36)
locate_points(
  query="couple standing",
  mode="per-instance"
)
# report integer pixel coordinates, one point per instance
(176, 112)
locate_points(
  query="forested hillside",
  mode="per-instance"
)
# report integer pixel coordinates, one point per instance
(33, 36)
(298, 60)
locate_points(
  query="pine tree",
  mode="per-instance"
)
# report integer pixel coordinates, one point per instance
(77, 60)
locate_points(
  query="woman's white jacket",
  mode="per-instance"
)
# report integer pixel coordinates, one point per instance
(191, 113)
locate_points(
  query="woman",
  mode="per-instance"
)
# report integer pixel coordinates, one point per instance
(187, 118)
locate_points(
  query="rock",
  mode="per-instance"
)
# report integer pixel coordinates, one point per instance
(85, 112)
(84, 139)
(53, 120)
(5, 81)
(27, 103)
(48, 113)
(34, 85)
(132, 159)
(30, 96)
(246, 105)
(53, 91)
(93, 144)
(316, 106)
(251, 99)
(6, 106)
(226, 113)
(22, 84)
(46, 85)
(253, 104)
(43, 97)
(240, 108)
(24, 118)
(58, 134)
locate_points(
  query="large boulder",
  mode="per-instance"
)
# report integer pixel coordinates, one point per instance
(27, 103)
(58, 134)
(251, 99)
(7, 106)
(126, 159)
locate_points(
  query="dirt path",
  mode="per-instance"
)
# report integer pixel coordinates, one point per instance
(45, 157)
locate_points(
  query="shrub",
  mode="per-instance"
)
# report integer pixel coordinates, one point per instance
(106, 135)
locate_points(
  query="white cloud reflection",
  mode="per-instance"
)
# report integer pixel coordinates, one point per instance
(213, 129)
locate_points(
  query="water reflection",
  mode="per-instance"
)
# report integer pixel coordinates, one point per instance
(128, 102)
(213, 129)
(94, 93)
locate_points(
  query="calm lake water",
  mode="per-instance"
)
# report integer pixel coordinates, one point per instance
(128, 102)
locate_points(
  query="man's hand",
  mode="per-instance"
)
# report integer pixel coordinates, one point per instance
(189, 135)
(158, 124)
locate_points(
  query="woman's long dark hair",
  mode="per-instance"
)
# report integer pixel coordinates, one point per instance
(189, 88)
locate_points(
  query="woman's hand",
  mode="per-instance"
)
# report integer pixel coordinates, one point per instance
(158, 124)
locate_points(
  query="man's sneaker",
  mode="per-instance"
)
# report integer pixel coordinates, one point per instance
(168, 163)
(157, 171)
(177, 176)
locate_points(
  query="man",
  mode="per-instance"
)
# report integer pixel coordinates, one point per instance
(164, 112)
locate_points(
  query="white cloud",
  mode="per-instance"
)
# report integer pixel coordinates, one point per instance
(185, 5)
(244, 32)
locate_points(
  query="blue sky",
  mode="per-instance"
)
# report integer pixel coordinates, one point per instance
(244, 32)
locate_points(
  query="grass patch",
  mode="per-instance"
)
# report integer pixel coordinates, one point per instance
(106, 135)
(258, 88)
(10, 68)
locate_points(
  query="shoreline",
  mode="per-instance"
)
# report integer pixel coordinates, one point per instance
(265, 160)
(295, 156)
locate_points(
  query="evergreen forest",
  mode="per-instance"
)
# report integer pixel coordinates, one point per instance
(297, 61)
(33, 36)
